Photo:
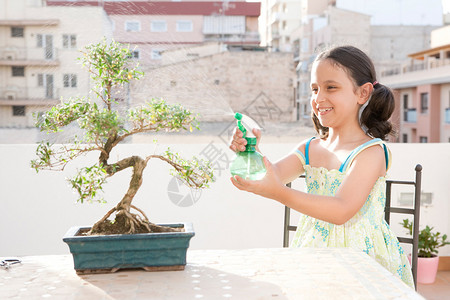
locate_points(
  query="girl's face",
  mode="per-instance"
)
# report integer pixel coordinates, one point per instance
(335, 99)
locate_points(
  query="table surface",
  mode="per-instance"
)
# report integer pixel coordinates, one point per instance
(275, 273)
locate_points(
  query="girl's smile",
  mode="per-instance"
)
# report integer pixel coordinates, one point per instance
(324, 111)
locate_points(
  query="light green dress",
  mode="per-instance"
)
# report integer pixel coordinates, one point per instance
(367, 230)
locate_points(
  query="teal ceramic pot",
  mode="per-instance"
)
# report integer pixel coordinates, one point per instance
(150, 251)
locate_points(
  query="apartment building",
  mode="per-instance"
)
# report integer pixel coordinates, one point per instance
(387, 35)
(278, 19)
(422, 92)
(38, 51)
(152, 27)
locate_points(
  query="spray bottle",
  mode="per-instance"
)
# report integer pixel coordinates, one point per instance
(249, 163)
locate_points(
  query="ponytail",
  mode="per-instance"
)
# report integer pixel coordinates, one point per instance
(375, 116)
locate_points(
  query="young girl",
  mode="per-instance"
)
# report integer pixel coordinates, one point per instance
(345, 166)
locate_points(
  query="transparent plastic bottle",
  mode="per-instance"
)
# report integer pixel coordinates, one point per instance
(248, 164)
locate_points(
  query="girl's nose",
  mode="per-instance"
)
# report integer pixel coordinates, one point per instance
(319, 97)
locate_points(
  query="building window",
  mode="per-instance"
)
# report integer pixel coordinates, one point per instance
(40, 79)
(424, 103)
(404, 138)
(405, 101)
(39, 41)
(159, 26)
(135, 54)
(304, 45)
(18, 71)
(184, 26)
(423, 139)
(69, 41)
(156, 54)
(405, 107)
(18, 110)
(133, 26)
(70, 80)
(16, 31)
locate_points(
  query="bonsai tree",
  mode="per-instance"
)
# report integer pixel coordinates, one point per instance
(428, 240)
(103, 125)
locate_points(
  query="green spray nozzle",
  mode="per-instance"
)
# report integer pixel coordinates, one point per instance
(241, 126)
(246, 125)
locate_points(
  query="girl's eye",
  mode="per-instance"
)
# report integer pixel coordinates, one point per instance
(314, 90)
(331, 87)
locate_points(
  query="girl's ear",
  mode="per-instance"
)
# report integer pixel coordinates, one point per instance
(365, 91)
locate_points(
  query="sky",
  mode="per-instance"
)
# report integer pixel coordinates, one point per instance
(446, 6)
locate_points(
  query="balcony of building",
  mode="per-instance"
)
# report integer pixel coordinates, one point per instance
(30, 22)
(39, 96)
(431, 66)
(248, 38)
(30, 56)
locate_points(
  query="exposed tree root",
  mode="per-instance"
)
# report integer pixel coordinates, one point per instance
(126, 222)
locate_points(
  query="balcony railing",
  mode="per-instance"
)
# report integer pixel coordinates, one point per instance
(28, 56)
(13, 95)
(431, 64)
(410, 115)
(28, 102)
(447, 115)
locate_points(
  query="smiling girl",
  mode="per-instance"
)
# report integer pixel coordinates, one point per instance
(345, 166)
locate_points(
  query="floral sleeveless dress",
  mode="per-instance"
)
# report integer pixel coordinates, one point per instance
(366, 230)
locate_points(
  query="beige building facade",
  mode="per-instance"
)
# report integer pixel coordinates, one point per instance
(39, 46)
(220, 81)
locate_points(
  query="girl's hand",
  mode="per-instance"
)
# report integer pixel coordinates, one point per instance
(238, 142)
(270, 186)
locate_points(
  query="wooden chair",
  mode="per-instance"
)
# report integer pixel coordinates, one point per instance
(389, 209)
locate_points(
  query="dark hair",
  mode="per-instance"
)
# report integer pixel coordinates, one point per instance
(375, 116)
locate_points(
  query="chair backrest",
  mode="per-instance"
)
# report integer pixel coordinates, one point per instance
(415, 211)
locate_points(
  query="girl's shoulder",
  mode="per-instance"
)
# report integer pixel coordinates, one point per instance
(374, 153)
(303, 145)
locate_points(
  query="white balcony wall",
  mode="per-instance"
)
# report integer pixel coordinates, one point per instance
(224, 25)
(37, 209)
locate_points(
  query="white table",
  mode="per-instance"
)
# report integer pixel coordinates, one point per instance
(331, 273)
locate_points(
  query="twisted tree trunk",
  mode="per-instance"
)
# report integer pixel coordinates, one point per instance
(126, 221)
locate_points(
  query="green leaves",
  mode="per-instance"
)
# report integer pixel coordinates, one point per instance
(89, 182)
(156, 115)
(52, 157)
(97, 123)
(428, 240)
(195, 173)
(110, 65)
(62, 114)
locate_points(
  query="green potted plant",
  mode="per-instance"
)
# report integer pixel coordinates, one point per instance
(102, 124)
(428, 259)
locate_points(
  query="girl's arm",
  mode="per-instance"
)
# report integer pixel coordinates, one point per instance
(290, 167)
(366, 168)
